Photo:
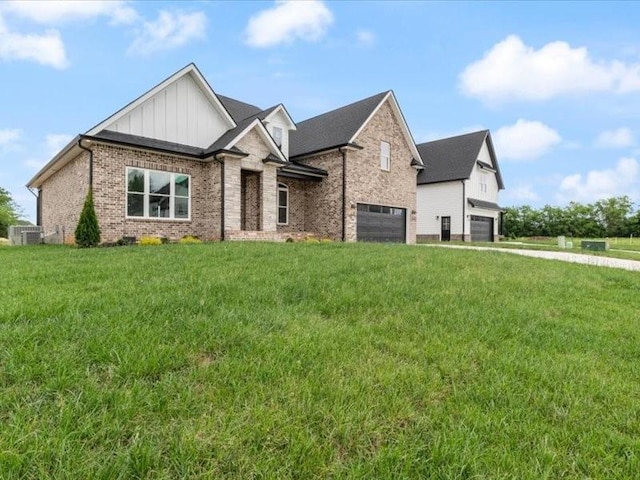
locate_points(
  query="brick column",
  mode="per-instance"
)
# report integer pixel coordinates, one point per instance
(232, 185)
(269, 193)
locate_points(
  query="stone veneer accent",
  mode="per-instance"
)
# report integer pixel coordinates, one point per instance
(63, 195)
(252, 143)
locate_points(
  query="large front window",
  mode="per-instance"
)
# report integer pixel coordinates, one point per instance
(155, 194)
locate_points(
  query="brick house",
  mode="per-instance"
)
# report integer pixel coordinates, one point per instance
(458, 193)
(183, 160)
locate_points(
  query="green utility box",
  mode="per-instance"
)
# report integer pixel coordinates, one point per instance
(595, 245)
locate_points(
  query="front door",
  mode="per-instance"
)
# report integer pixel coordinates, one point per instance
(445, 229)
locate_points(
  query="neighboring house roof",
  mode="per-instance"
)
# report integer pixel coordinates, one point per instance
(484, 204)
(453, 158)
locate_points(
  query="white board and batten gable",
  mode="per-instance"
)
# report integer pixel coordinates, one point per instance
(483, 183)
(182, 109)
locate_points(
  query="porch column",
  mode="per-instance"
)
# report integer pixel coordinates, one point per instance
(232, 185)
(269, 193)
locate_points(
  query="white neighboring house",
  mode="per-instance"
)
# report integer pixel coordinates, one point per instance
(458, 189)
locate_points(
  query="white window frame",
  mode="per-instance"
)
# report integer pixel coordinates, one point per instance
(483, 182)
(385, 156)
(172, 196)
(283, 188)
(275, 135)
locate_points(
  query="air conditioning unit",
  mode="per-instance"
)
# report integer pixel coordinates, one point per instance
(17, 237)
(31, 238)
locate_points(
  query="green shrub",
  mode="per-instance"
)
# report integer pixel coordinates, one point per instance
(190, 239)
(4, 241)
(88, 231)
(150, 240)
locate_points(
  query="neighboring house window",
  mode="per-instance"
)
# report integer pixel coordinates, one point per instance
(283, 204)
(483, 183)
(385, 156)
(277, 135)
(154, 194)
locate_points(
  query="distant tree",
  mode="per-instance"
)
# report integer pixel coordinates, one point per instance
(88, 231)
(613, 215)
(583, 221)
(9, 212)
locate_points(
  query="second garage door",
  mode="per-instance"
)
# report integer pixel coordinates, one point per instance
(481, 229)
(378, 223)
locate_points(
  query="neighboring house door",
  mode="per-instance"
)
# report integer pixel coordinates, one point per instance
(481, 229)
(445, 229)
(378, 223)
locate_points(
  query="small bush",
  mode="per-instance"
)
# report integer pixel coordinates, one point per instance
(326, 240)
(4, 241)
(311, 240)
(150, 240)
(126, 241)
(190, 240)
(87, 232)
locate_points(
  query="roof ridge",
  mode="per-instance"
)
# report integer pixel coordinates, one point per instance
(485, 131)
(346, 106)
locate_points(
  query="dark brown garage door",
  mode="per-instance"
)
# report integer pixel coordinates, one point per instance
(377, 223)
(481, 229)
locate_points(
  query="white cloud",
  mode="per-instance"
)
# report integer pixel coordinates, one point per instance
(523, 193)
(9, 136)
(45, 49)
(287, 21)
(619, 138)
(55, 12)
(598, 184)
(512, 70)
(55, 141)
(365, 38)
(170, 30)
(524, 140)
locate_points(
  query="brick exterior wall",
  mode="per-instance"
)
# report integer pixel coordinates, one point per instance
(252, 143)
(109, 177)
(298, 194)
(63, 195)
(324, 199)
(368, 183)
(250, 197)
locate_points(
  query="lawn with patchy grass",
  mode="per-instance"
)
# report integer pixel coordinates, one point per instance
(237, 360)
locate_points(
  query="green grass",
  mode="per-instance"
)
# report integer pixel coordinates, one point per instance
(307, 361)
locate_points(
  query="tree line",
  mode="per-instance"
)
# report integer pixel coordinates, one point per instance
(611, 217)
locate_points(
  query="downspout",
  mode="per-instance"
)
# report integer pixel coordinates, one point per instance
(464, 210)
(344, 194)
(38, 205)
(90, 162)
(221, 161)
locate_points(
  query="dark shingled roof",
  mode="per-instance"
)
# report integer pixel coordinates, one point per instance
(484, 204)
(237, 109)
(454, 158)
(331, 129)
(135, 140)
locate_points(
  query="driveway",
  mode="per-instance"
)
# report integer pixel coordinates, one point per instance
(562, 256)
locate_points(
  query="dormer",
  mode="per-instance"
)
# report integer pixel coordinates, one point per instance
(279, 124)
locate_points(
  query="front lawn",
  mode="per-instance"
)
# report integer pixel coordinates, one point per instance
(244, 360)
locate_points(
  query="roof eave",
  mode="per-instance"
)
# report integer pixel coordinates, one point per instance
(38, 179)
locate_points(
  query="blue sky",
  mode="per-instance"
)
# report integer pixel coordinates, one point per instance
(558, 84)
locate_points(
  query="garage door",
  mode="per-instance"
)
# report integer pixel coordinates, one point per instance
(481, 229)
(377, 223)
